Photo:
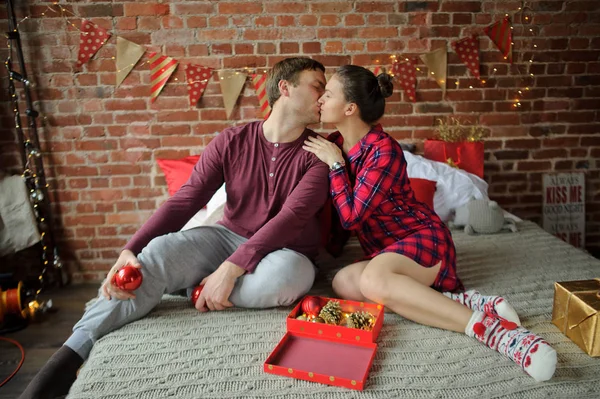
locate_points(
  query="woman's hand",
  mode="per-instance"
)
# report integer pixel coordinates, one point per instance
(325, 150)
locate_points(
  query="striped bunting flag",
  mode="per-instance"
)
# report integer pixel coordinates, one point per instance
(260, 81)
(161, 68)
(501, 34)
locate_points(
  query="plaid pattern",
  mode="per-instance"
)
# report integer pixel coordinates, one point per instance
(381, 207)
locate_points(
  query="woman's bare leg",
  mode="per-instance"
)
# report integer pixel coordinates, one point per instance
(403, 285)
(346, 282)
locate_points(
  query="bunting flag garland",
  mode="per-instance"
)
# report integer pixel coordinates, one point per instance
(406, 73)
(197, 78)
(161, 68)
(128, 54)
(501, 34)
(437, 62)
(92, 37)
(232, 84)
(260, 83)
(468, 51)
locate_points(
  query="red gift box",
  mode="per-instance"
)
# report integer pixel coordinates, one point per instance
(465, 155)
(325, 353)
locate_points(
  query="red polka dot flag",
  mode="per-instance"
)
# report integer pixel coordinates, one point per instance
(92, 37)
(405, 72)
(468, 51)
(197, 78)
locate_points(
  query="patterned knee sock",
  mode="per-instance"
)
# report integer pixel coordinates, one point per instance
(488, 304)
(525, 348)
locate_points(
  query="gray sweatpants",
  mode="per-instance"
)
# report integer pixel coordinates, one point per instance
(181, 260)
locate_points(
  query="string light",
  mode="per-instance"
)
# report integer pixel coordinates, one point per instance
(33, 169)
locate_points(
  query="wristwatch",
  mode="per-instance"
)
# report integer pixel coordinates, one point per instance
(336, 166)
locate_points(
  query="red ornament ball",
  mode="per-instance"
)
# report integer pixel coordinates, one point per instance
(196, 294)
(311, 305)
(128, 278)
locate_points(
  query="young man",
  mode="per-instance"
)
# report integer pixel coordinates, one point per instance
(260, 254)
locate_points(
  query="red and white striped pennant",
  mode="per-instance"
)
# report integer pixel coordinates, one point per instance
(260, 83)
(501, 34)
(161, 68)
(197, 78)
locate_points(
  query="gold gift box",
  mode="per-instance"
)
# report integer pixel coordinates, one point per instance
(576, 312)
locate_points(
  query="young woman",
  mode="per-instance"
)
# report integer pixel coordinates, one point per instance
(410, 264)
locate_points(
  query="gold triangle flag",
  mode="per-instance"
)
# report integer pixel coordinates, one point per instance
(232, 83)
(128, 54)
(437, 63)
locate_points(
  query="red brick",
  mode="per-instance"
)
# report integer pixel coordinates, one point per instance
(329, 20)
(500, 119)
(266, 48)
(526, 166)
(334, 47)
(377, 19)
(221, 49)
(511, 154)
(354, 20)
(286, 20)
(462, 19)
(264, 21)
(308, 20)
(552, 153)
(218, 21)
(122, 105)
(440, 19)
(137, 9)
(240, 8)
(126, 23)
(217, 34)
(262, 34)
(244, 48)
(287, 7)
(196, 8)
(331, 7)
(289, 48)
(311, 48)
(196, 22)
(244, 61)
(374, 6)
(352, 46)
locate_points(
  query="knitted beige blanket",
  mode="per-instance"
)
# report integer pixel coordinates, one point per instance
(176, 352)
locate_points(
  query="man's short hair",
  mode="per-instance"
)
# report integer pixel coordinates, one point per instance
(288, 69)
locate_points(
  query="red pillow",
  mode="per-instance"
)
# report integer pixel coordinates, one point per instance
(424, 190)
(177, 171)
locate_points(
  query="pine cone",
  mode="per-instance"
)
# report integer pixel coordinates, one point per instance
(331, 312)
(360, 320)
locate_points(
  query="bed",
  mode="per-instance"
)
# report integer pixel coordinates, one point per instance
(177, 352)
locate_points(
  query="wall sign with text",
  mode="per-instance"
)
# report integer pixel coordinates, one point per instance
(564, 207)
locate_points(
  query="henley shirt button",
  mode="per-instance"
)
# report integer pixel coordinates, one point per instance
(272, 159)
(270, 174)
(276, 144)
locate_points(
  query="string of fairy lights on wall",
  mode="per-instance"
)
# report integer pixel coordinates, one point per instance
(524, 10)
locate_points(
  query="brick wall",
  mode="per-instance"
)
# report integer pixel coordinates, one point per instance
(101, 144)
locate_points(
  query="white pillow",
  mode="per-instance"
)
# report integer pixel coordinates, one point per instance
(454, 187)
(214, 210)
